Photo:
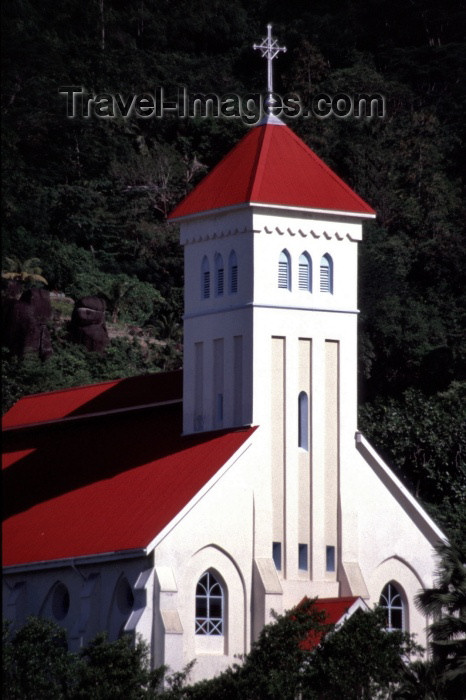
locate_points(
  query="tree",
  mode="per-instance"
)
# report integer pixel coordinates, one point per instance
(128, 299)
(118, 670)
(28, 271)
(419, 681)
(38, 666)
(446, 603)
(359, 661)
(36, 662)
(423, 439)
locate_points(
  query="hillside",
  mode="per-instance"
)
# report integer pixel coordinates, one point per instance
(89, 196)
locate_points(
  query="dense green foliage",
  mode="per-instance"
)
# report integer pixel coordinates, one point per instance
(38, 666)
(87, 199)
(358, 661)
(446, 604)
(424, 439)
(36, 663)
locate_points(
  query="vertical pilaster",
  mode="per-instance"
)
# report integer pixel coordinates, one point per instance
(331, 454)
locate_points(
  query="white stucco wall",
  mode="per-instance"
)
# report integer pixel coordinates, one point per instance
(289, 339)
(217, 534)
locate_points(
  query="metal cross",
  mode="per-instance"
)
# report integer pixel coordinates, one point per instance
(269, 50)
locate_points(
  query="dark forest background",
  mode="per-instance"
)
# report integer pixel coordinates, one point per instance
(85, 200)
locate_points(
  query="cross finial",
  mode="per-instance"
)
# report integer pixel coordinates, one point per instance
(269, 50)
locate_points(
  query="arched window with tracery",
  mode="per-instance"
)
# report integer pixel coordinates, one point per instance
(326, 274)
(210, 605)
(284, 270)
(392, 602)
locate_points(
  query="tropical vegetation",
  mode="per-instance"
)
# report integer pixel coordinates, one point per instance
(85, 200)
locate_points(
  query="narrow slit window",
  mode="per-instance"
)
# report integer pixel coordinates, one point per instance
(303, 420)
(219, 408)
(302, 557)
(277, 555)
(284, 271)
(330, 558)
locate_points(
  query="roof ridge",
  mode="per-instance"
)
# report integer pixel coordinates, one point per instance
(64, 390)
(91, 384)
(319, 161)
(261, 158)
(73, 418)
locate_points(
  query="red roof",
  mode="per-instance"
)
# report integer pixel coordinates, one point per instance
(271, 165)
(101, 483)
(95, 398)
(335, 609)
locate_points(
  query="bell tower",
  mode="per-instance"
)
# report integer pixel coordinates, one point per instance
(270, 239)
(270, 328)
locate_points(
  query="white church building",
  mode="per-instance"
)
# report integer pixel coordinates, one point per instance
(185, 506)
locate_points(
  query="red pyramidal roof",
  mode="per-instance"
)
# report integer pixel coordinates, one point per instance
(271, 165)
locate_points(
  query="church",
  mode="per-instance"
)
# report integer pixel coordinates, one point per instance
(186, 506)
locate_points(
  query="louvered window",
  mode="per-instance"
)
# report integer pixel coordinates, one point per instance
(326, 275)
(233, 272)
(304, 273)
(209, 605)
(205, 279)
(284, 281)
(219, 275)
(234, 279)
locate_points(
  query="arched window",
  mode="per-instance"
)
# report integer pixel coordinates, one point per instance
(392, 602)
(219, 275)
(284, 271)
(305, 273)
(124, 596)
(303, 421)
(326, 274)
(119, 612)
(210, 605)
(56, 603)
(60, 601)
(205, 279)
(233, 273)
